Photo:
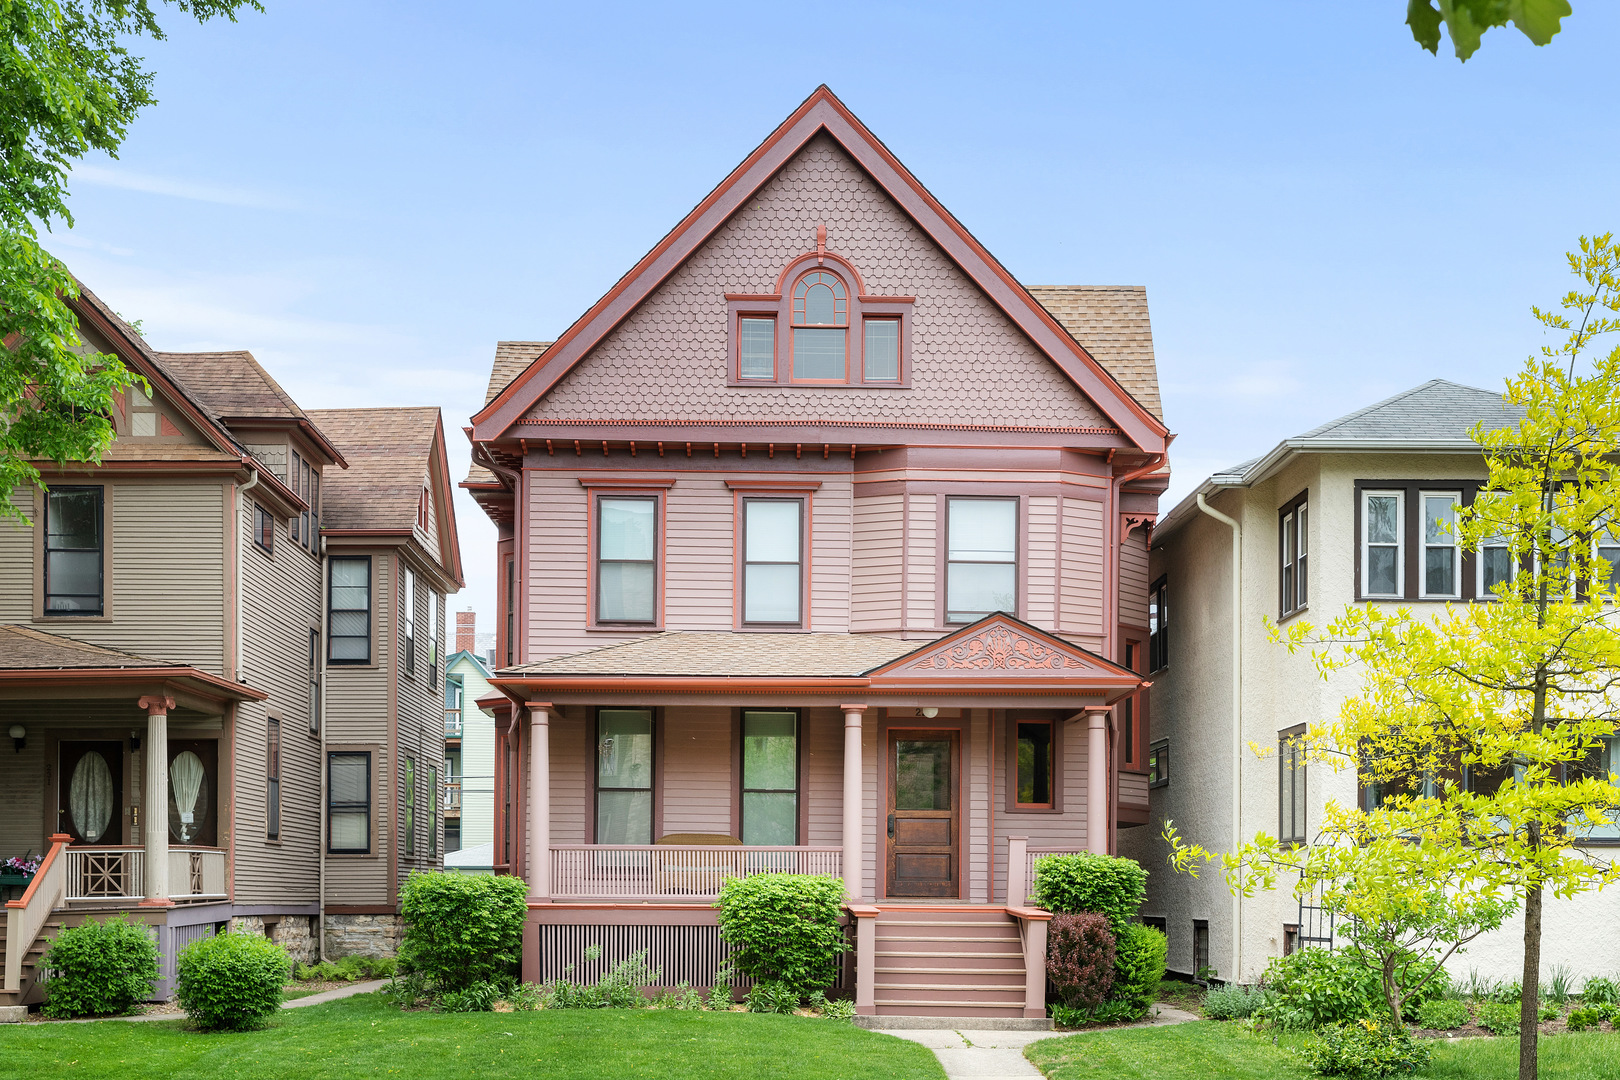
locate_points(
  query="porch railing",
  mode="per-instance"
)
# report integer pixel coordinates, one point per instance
(452, 723)
(119, 873)
(1021, 867)
(452, 795)
(674, 871)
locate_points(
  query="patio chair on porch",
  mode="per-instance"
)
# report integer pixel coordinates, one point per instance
(696, 872)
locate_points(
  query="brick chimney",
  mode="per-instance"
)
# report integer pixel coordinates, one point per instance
(466, 623)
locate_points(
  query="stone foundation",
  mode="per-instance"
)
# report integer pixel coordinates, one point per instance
(295, 933)
(362, 935)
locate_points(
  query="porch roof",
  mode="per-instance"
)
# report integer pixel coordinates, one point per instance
(32, 658)
(733, 653)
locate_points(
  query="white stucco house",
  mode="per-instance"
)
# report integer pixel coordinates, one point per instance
(1325, 519)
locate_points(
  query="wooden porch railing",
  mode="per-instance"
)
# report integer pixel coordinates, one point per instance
(25, 917)
(674, 871)
(119, 873)
(1021, 868)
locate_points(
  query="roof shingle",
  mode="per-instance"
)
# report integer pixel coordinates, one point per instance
(24, 648)
(512, 358)
(1112, 322)
(232, 384)
(387, 450)
(677, 653)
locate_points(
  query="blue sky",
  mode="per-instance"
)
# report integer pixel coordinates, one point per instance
(368, 196)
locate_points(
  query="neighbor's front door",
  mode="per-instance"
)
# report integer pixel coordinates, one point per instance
(924, 813)
(89, 792)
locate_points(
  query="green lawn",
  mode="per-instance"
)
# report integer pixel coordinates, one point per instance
(363, 1037)
(1212, 1051)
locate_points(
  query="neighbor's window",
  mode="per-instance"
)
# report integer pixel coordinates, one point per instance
(1159, 763)
(1382, 569)
(410, 805)
(349, 611)
(272, 775)
(73, 551)
(433, 640)
(1292, 546)
(820, 329)
(1158, 612)
(1132, 728)
(1200, 947)
(773, 565)
(407, 619)
(1600, 761)
(624, 776)
(348, 805)
(1291, 792)
(295, 472)
(1608, 549)
(433, 812)
(881, 350)
(510, 614)
(626, 563)
(770, 778)
(264, 529)
(1495, 566)
(1442, 560)
(1037, 762)
(981, 561)
(756, 355)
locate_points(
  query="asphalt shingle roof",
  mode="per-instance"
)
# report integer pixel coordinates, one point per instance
(1112, 322)
(512, 358)
(232, 384)
(675, 653)
(24, 648)
(387, 451)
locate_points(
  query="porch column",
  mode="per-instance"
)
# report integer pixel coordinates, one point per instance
(1097, 779)
(155, 799)
(853, 864)
(539, 829)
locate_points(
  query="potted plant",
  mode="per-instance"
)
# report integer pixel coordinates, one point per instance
(19, 869)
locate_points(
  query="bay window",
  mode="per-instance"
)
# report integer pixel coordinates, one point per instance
(981, 560)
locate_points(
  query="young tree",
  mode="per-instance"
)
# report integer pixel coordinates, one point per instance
(68, 86)
(1485, 729)
(1467, 20)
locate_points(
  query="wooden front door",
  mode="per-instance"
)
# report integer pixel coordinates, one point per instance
(924, 813)
(90, 792)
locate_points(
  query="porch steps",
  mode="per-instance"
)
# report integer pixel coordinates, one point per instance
(948, 962)
(31, 988)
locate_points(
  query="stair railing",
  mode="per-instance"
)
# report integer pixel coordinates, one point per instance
(26, 917)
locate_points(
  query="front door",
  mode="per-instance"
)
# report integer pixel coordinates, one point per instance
(924, 813)
(90, 792)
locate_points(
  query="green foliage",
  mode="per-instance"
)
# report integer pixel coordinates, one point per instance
(1498, 1017)
(1139, 960)
(1467, 20)
(407, 989)
(231, 982)
(1589, 1016)
(1600, 990)
(1315, 988)
(1560, 983)
(618, 988)
(100, 969)
(348, 969)
(1108, 886)
(772, 996)
(1080, 956)
(479, 997)
(462, 929)
(834, 1008)
(1109, 1012)
(1364, 1049)
(1233, 1002)
(784, 928)
(1442, 1014)
(1507, 993)
(1548, 1011)
(719, 998)
(682, 997)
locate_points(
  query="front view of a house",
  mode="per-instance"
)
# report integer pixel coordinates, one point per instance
(822, 549)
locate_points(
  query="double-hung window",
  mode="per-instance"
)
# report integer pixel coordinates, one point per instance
(314, 682)
(1037, 765)
(1495, 567)
(1292, 544)
(295, 474)
(1132, 715)
(773, 563)
(433, 812)
(349, 610)
(624, 776)
(1442, 558)
(1608, 550)
(770, 778)
(348, 805)
(272, 774)
(407, 619)
(73, 551)
(410, 805)
(820, 329)
(880, 350)
(1158, 635)
(1600, 761)
(1291, 786)
(264, 529)
(981, 560)
(433, 640)
(627, 559)
(1159, 763)
(756, 345)
(1383, 572)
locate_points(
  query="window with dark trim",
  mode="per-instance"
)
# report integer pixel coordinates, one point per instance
(348, 631)
(1407, 544)
(1293, 548)
(1442, 557)
(264, 529)
(624, 776)
(407, 618)
(1600, 762)
(773, 562)
(627, 559)
(410, 800)
(1133, 732)
(1201, 968)
(1291, 786)
(1158, 613)
(314, 682)
(981, 558)
(301, 485)
(1290, 937)
(348, 802)
(1036, 744)
(433, 639)
(509, 614)
(1159, 764)
(74, 566)
(295, 471)
(433, 812)
(770, 777)
(314, 534)
(272, 778)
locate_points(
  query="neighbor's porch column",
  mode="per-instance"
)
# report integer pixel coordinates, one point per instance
(1097, 779)
(539, 829)
(853, 864)
(155, 830)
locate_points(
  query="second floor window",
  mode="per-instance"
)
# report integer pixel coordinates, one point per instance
(626, 561)
(1382, 569)
(264, 529)
(1291, 793)
(1159, 763)
(820, 329)
(770, 778)
(314, 682)
(73, 551)
(272, 771)
(348, 803)
(1442, 560)
(773, 582)
(981, 561)
(1158, 613)
(1496, 567)
(349, 618)
(1293, 547)
(407, 620)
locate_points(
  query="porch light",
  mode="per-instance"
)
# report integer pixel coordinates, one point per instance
(930, 712)
(19, 736)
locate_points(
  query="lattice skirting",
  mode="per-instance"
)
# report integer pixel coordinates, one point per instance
(689, 954)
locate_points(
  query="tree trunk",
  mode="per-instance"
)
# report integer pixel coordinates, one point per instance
(1530, 1003)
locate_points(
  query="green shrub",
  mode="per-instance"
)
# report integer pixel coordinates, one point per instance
(231, 982)
(462, 929)
(619, 988)
(1506, 993)
(1442, 1014)
(1233, 1002)
(719, 998)
(348, 969)
(683, 997)
(1559, 986)
(1080, 957)
(1314, 987)
(1109, 1012)
(1586, 1016)
(1139, 955)
(479, 997)
(1111, 887)
(99, 969)
(835, 1009)
(1364, 1049)
(784, 928)
(772, 997)
(407, 989)
(1600, 991)
(1498, 1017)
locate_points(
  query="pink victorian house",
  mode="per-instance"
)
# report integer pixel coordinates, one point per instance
(823, 549)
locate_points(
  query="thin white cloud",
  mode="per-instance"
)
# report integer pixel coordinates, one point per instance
(181, 189)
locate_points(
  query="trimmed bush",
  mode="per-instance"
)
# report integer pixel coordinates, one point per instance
(99, 969)
(1233, 1002)
(1111, 887)
(1140, 953)
(231, 982)
(1586, 1016)
(1080, 958)
(462, 929)
(1366, 1048)
(784, 928)
(1314, 987)
(1442, 1014)
(1498, 1017)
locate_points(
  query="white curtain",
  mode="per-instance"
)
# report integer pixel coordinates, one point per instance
(185, 781)
(90, 796)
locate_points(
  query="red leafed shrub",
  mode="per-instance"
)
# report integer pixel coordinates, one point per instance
(1080, 958)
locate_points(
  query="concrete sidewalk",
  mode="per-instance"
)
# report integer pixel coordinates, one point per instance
(999, 1055)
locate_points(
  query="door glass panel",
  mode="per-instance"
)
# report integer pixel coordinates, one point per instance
(188, 797)
(90, 796)
(922, 774)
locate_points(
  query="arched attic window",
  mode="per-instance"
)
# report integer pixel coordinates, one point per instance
(820, 329)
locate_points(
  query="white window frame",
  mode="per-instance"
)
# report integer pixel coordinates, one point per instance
(407, 618)
(1455, 593)
(1400, 543)
(1481, 592)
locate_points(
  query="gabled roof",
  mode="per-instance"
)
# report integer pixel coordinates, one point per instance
(512, 358)
(823, 112)
(234, 387)
(1111, 323)
(467, 654)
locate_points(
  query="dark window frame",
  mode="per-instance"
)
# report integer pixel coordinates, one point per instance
(744, 563)
(1158, 762)
(742, 771)
(655, 782)
(1201, 947)
(314, 682)
(264, 530)
(100, 549)
(433, 811)
(1133, 714)
(657, 559)
(1055, 752)
(1158, 623)
(1293, 556)
(331, 638)
(509, 616)
(272, 778)
(364, 806)
(412, 795)
(1411, 538)
(407, 618)
(1292, 779)
(947, 562)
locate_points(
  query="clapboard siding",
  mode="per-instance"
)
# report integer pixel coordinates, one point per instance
(419, 701)
(697, 759)
(555, 589)
(1083, 576)
(922, 562)
(698, 555)
(1066, 830)
(823, 777)
(168, 573)
(1041, 546)
(1133, 579)
(830, 552)
(17, 574)
(571, 788)
(879, 530)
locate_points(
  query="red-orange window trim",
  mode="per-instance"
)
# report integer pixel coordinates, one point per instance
(654, 490)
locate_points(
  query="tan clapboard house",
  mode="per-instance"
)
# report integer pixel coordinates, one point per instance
(220, 666)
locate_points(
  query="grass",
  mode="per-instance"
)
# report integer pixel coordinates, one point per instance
(288, 993)
(1212, 1051)
(366, 1037)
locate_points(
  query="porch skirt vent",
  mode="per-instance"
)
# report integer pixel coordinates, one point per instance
(689, 954)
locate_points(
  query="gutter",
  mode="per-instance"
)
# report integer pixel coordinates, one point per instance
(1237, 718)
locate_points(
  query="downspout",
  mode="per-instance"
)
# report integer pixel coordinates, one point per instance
(320, 841)
(1237, 719)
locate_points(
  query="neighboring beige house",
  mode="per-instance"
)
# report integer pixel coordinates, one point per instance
(1329, 518)
(166, 649)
